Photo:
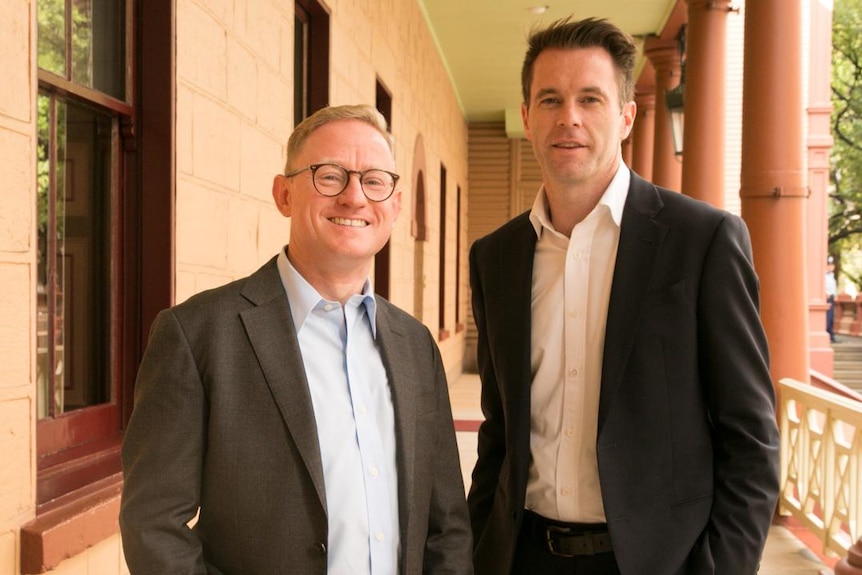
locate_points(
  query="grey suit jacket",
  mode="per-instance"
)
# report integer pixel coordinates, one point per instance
(687, 446)
(223, 421)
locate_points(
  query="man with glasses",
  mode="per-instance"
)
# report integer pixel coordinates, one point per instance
(299, 423)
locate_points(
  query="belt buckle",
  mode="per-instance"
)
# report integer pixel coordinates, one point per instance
(551, 530)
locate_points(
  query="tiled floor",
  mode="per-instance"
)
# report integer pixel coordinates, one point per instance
(785, 554)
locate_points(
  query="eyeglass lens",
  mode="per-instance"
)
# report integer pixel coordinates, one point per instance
(331, 180)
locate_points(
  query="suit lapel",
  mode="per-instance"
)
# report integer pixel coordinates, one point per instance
(269, 326)
(402, 377)
(640, 240)
(514, 289)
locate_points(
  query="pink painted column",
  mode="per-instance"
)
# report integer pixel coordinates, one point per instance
(664, 56)
(643, 132)
(774, 191)
(819, 146)
(703, 140)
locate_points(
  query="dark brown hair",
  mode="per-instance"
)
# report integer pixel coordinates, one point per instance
(586, 33)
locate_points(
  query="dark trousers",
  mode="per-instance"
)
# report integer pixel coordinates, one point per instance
(532, 557)
(830, 318)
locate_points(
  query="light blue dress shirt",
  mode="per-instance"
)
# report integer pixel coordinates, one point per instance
(355, 424)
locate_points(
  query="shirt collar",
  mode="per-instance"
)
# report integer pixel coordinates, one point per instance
(303, 298)
(614, 198)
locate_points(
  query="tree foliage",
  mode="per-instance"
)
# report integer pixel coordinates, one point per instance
(845, 218)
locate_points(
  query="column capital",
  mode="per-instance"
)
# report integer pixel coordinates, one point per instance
(665, 57)
(659, 50)
(645, 99)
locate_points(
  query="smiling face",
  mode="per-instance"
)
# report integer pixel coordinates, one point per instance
(574, 119)
(341, 234)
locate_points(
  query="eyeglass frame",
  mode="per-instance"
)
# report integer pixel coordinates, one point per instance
(361, 173)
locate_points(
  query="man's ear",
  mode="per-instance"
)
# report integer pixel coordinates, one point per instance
(281, 194)
(525, 119)
(630, 112)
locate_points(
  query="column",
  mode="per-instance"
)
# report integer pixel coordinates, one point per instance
(773, 187)
(819, 146)
(703, 141)
(664, 56)
(643, 132)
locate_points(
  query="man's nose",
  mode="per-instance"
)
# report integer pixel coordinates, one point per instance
(353, 193)
(569, 114)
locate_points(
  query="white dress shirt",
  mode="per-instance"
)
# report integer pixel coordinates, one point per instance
(355, 425)
(570, 291)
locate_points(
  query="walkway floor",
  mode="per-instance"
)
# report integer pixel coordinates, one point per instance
(785, 553)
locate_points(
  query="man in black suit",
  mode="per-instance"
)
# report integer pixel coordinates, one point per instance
(299, 422)
(629, 412)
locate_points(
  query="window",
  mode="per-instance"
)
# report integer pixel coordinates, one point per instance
(84, 42)
(105, 122)
(444, 333)
(82, 105)
(459, 323)
(310, 59)
(76, 152)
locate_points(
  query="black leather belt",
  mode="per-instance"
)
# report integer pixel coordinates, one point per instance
(567, 539)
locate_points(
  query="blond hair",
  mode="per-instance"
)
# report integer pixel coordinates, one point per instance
(362, 112)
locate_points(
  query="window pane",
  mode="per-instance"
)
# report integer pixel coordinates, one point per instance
(49, 322)
(52, 35)
(74, 268)
(98, 45)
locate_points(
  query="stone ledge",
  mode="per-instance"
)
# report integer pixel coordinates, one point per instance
(82, 520)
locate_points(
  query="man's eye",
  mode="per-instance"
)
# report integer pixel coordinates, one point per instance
(330, 176)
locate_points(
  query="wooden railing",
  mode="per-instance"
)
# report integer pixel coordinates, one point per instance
(821, 457)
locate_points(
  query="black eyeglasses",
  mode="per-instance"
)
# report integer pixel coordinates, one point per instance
(331, 179)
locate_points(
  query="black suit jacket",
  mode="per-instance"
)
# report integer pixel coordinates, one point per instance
(223, 421)
(688, 446)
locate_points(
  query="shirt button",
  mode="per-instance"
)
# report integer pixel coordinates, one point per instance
(361, 410)
(328, 307)
(570, 432)
(565, 491)
(374, 472)
(379, 536)
(574, 372)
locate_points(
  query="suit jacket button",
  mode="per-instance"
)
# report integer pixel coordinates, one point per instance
(320, 547)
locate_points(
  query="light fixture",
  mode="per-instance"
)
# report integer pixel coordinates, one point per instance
(537, 10)
(674, 101)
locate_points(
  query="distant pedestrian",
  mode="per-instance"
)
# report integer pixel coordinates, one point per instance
(831, 292)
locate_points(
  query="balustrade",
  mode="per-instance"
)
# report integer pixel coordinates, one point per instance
(821, 452)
